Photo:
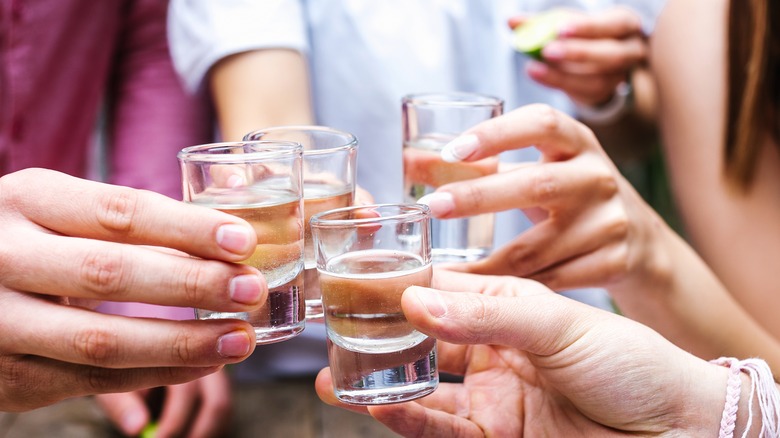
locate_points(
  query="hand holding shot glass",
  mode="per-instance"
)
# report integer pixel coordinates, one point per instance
(329, 168)
(430, 121)
(259, 181)
(366, 257)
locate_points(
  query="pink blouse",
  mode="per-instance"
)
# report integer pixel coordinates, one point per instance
(69, 66)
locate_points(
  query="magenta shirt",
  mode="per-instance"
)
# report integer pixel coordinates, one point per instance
(60, 60)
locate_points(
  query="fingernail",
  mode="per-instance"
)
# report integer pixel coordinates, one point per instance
(460, 148)
(236, 181)
(234, 344)
(553, 52)
(234, 238)
(440, 203)
(246, 289)
(536, 68)
(432, 301)
(134, 420)
(567, 30)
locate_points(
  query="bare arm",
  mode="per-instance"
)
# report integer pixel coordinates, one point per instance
(737, 234)
(259, 89)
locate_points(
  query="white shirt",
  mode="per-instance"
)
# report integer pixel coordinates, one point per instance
(365, 55)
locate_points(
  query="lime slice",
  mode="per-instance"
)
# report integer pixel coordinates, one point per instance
(150, 431)
(531, 36)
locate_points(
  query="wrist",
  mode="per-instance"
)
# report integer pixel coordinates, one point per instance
(702, 410)
(610, 111)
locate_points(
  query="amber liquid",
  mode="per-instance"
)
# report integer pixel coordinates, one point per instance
(464, 239)
(318, 197)
(376, 356)
(279, 257)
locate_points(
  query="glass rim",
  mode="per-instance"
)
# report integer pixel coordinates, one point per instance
(452, 98)
(267, 149)
(350, 143)
(406, 211)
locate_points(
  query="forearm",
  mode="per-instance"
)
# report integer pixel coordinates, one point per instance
(260, 89)
(680, 297)
(634, 136)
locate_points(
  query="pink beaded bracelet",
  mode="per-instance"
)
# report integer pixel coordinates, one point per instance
(761, 383)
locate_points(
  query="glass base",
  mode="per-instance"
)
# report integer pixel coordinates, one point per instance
(392, 376)
(314, 311)
(264, 335)
(384, 396)
(451, 255)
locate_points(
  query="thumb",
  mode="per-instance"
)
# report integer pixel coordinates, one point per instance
(537, 321)
(128, 411)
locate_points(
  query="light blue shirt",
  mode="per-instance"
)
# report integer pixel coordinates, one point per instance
(365, 55)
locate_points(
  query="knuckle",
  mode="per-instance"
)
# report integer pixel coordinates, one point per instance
(549, 120)
(543, 187)
(195, 283)
(605, 180)
(9, 184)
(182, 348)
(483, 320)
(97, 346)
(618, 264)
(102, 272)
(101, 380)
(117, 209)
(475, 196)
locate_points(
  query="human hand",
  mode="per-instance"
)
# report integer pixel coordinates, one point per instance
(591, 227)
(592, 54)
(538, 364)
(66, 243)
(200, 408)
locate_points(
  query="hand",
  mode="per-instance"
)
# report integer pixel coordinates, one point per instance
(592, 54)
(592, 228)
(200, 408)
(66, 243)
(538, 364)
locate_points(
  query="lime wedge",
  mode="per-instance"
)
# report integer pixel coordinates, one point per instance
(531, 36)
(150, 431)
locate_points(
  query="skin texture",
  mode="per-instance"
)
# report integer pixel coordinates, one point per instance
(593, 230)
(736, 233)
(109, 242)
(544, 365)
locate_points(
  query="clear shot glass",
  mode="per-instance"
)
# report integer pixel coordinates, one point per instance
(260, 182)
(329, 169)
(430, 121)
(366, 257)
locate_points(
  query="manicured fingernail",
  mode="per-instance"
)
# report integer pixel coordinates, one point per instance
(553, 52)
(567, 30)
(460, 148)
(246, 289)
(440, 203)
(536, 68)
(234, 238)
(234, 344)
(432, 301)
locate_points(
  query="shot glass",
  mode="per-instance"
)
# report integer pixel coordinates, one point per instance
(430, 121)
(366, 257)
(329, 169)
(259, 181)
